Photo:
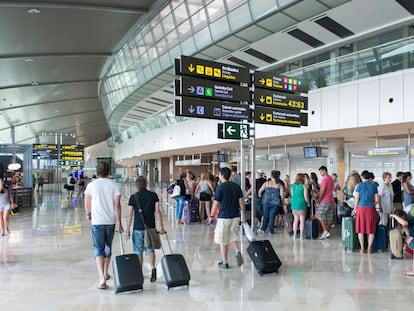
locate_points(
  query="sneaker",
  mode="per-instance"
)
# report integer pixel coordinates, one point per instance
(301, 238)
(223, 265)
(294, 237)
(153, 275)
(325, 235)
(239, 258)
(260, 231)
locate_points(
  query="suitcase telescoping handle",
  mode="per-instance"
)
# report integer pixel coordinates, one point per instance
(169, 245)
(121, 243)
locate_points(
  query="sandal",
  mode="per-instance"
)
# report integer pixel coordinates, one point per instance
(103, 286)
(107, 277)
(409, 273)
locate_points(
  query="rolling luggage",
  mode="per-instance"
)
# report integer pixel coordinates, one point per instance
(175, 269)
(191, 211)
(127, 271)
(396, 242)
(289, 223)
(264, 257)
(312, 226)
(381, 238)
(351, 239)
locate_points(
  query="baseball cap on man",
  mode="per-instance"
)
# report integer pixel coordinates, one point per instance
(259, 171)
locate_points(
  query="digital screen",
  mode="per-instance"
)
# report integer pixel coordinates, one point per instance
(221, 157)
(310, 152)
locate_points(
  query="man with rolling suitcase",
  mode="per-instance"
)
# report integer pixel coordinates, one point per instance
(147, 203)
(230, 197)
(103, 209)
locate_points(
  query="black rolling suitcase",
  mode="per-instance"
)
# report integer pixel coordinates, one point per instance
(312, 225)
(264, 257)
(175, 269)
(127, 271)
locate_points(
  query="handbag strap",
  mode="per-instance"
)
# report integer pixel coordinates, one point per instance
(140, 211)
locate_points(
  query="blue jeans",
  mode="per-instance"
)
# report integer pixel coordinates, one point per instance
(269, 214)
(102, 236)
(179, 206)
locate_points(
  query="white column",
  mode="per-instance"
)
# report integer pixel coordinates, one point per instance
(335, 161)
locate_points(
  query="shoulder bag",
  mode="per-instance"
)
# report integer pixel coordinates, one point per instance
(152, 236)
(176, 191)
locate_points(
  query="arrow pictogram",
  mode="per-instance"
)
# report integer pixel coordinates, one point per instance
(262, 81)
(262, 116)
(262, 99)
(191, 89)
(191, 68)
(230, 130)
(191, 109)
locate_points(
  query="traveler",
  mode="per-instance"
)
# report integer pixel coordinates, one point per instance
(366, 197)
(300, 201)
(179, 200)
(272, 194)
(386, 195)
(103, 209)
(230, 197)
(6, 202)
(326, 202)
(397, 189)
(150, 205)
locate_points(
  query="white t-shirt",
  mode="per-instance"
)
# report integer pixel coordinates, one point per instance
(386, 194)
(103, 192)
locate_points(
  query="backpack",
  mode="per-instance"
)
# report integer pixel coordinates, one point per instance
(72, 181)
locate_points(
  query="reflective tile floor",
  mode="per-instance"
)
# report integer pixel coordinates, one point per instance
(46, 263)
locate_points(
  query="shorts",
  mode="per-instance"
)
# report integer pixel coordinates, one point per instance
(138, 243)
(226, 230)
(5, 207)
(325, 211)
(70, 187)
(205, 197)
(102, 236)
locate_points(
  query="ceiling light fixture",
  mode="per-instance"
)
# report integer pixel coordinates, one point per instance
(33, 11)
(29, 60)
(35, 83)
(14, 166)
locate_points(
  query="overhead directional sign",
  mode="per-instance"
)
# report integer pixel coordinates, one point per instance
(195, 67)
(233, 130)
(281, 83)
(280, 99)
(203, 88)
(211, 109)
(276, 116)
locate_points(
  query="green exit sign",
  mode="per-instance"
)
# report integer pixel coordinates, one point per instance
(233, 130)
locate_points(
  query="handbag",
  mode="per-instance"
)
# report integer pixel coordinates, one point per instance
(176, 191)
(151, 236)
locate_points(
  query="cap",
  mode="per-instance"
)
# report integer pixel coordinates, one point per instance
(259, 171)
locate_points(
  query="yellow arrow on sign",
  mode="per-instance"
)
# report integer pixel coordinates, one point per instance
(262, 81)
(191, 68)
(262, 99)
(262, 116)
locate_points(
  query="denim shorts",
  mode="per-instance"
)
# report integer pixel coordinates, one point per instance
(5, 207)
(102, 236)
(138, 243)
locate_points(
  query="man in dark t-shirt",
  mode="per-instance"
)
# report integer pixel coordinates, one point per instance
(230, 198)
(150, 206)
(396, 187)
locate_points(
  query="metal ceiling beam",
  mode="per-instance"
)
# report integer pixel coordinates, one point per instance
(65, 6)
(47, 83)
(62, 101)
(32, 56)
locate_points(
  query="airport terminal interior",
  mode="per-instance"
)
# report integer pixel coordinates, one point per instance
(158, 87)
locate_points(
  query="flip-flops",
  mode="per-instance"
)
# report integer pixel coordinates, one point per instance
(409, 273)
(102, 286)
